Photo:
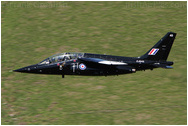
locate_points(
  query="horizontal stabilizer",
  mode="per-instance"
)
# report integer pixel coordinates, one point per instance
(164, 66)
(168, 67)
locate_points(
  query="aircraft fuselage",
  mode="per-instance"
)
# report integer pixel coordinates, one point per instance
(102, 65)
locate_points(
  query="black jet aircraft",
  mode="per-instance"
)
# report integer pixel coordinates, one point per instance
(103, 65)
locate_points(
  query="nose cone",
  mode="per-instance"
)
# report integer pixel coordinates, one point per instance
(28, 69)
(23, 70)
(19, 70)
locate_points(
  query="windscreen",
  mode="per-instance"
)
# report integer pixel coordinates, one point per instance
(61, 57)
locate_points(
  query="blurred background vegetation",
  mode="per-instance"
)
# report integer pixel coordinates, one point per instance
(32, 31)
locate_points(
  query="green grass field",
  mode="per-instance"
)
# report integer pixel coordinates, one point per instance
(33, 31)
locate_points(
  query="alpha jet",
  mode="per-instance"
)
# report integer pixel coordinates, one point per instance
(103, 65)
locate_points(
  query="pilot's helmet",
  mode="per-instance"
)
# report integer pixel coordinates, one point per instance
(66, 57)
(60, 58)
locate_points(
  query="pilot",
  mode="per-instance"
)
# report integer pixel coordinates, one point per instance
(60, 59)
(49, 61)
(63, 59)
(66, 57)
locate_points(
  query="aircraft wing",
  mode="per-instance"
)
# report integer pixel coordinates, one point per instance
(112, 65)
(101, 61)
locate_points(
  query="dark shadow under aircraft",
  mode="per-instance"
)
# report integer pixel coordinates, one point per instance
(103, 65)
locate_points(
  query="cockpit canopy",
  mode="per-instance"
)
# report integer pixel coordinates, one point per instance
(61, 57)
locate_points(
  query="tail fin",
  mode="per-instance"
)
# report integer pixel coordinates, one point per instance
(161, 49)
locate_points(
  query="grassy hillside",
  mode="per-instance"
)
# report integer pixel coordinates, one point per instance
(33, 31)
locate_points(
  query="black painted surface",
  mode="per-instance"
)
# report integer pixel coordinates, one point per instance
(92, 65)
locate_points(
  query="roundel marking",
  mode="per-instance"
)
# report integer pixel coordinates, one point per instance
(82, 66)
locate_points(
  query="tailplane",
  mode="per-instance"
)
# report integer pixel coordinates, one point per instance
(160, 51)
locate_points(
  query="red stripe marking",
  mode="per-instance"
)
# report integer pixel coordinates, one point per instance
(151, 51)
